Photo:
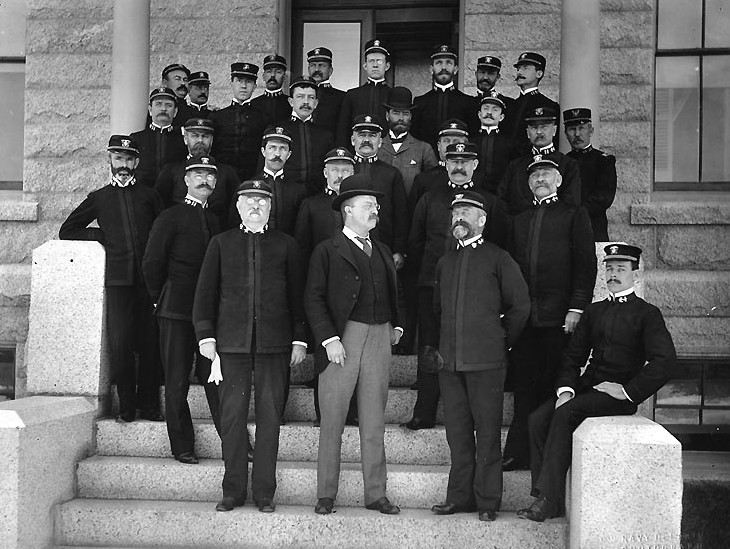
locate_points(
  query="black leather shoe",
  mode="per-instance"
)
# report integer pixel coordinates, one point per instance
(541, 509)
(416, 424)
(126, 416)
(511, 464)
(151, 415)
(384, 506)
(265, 505)
(488, 516)
(187, 458)
(324, 506)
(228, 503)
(451, 508)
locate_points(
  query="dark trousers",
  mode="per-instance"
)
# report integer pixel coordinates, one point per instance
(320, 363)
(428, 378)
(535, 359)
(131, 329)
(474, 400)
(178, 349)
(408, 289)
(551, 438)
(269, 373)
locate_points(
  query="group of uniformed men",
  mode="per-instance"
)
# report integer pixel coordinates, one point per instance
(346, 210)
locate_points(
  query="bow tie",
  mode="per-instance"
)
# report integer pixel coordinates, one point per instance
(400, 139)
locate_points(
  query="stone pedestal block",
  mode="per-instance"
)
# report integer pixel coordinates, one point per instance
(41, 441)
(626, 485)
(67, 325)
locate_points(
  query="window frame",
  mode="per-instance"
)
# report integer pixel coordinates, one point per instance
(14, 185)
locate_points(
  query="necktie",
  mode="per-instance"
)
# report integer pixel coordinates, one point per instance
(366, 246)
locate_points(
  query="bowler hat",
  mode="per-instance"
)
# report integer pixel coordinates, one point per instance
(355, 185)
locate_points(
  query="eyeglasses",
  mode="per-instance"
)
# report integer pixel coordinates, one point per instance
(202, 176)
(369, 206)
(260, 201)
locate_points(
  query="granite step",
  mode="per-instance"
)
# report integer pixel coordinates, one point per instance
(144, 478)
(297, 442)
(195, 524)
(300, 406)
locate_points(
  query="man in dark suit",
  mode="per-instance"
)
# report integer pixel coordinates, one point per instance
(371, 96)
(171, 185)
(452, 131)
(249, 321)
(514, 188)
(286, 194)
(316, 222)
(495, 146)
(319, 67)
(160, 142)
(310, 142)
(125, 211)
(273, 102)
(400, 149)
(240, 126)
(552, 243)
(351, 304)
(393, 218)
(597, 170)
(631, 356)
(487, 74)
(175, 77)
(530, 71)
(428, 241)
(171, 265)
(482, 303)
(444, 101)
(196, 103)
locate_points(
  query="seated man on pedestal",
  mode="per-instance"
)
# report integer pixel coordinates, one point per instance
(632, 356)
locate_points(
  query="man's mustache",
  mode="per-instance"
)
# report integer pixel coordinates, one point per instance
(456, 171)
(460, 228)
(366, 143)
(122, 171)
(273, 79)
(182, 87)
(373, 216)
(444, 71)
(204, 185)
(276, 159)
(318, 73)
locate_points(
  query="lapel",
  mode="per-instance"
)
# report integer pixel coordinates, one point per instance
(341, 244)
(407, 144)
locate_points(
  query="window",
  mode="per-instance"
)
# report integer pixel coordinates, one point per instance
(12, 92)
(692, 95)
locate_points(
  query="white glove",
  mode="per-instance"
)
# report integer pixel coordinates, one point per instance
(216, 376)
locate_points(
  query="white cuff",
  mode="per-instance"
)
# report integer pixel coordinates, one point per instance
(299, 343)
(565, 390)
(399, 329)
(330, 340)
(626, 394)
(579, 311)
(205, 340)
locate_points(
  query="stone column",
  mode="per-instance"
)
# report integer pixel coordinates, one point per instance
(626, 484)
(67, 323)
(580, 48)
(130, 65)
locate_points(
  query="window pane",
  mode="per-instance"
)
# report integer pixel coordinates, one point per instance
(12, 28)
(344, 41)
(12, 93)
(676, 147)
(680, 24)
(716, 119)
(717, 24)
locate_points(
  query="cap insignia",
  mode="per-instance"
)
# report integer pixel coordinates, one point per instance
(453, 125)
(460, 147)
(523, 56)
(537, 158)
(162, 89)
(459, 196)
(279, 130)
(316, 51)
(340, 152)
(575, 112)
(201, 122)
(539, 111)
(487, 59)
(368, 119)
(613, 249)
(376, 43)
(257, 184)
(205, 160)
(444, 48)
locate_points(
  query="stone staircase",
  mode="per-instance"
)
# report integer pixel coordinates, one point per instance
(133, 494)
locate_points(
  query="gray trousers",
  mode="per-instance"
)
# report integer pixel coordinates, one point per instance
(367, 365)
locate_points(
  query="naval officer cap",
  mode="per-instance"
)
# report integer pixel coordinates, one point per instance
(444, 51)
(542, 161)
(254, 187)
(123, 143)
(302, 81)
(276, 132)
(468, 198)
(163, 93)
(462, 151)
(492, 98)
(201, 161)
(573, 117)
(454, 126)
(200, 124)
(531, 58)
(541, 114)
(199, 77)
(622, 252)
(274, 60)
(376, 46)
(175, 67)
(489, 62)
(246, 70)
(339, 154)
(319, 54)
(367, 122)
